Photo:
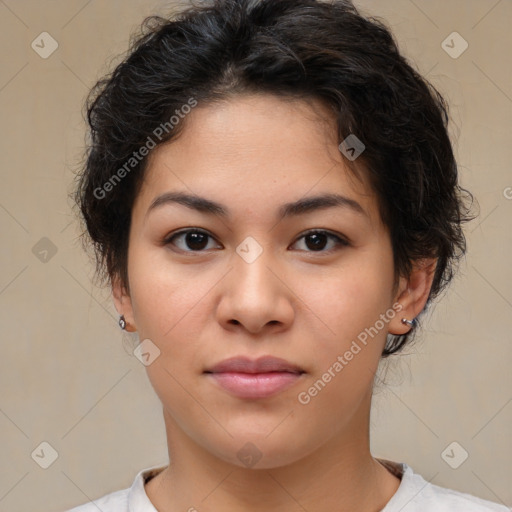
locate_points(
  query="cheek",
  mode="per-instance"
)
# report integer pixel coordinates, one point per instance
(168, 310)
(159, 290)
(346, 350)
(350, 301)
(171, 303)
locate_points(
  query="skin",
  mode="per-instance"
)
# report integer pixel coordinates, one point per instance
(252, 154)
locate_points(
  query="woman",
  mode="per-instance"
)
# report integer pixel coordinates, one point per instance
(273, 198)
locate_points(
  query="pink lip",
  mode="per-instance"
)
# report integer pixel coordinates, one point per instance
(260, 378)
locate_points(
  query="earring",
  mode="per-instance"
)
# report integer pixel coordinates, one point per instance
(408, 322)
(122, 322)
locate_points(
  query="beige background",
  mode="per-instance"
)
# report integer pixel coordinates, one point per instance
(67, 377)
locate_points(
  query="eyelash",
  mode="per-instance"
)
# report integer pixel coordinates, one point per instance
(338, 239)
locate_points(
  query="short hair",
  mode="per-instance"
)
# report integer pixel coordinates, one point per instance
(295, 49)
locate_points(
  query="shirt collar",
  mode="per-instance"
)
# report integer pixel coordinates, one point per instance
(138, 500)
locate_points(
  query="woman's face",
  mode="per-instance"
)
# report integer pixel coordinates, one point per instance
(250, 283)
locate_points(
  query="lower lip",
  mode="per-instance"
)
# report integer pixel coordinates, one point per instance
(255, 385)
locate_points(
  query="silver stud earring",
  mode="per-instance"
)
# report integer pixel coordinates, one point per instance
(408, 322)
(122, 322)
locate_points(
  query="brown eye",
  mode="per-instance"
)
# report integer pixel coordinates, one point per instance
(316, 241)
(191, 240)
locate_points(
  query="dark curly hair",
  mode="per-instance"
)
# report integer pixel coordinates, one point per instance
(294, 49)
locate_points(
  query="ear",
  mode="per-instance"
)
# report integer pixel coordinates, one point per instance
(412, 294)
(123, 303)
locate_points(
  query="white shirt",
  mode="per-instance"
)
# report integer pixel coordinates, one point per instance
(413, 495)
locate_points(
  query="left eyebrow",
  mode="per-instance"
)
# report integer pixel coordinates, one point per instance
(295, 208)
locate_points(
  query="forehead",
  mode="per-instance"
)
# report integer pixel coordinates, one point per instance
(257, 149)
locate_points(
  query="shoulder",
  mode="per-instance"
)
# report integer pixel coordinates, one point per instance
(133, 498)
(415, 494)
(114, 502)
(442, 499)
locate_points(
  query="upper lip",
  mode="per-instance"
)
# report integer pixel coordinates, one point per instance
(264, 364)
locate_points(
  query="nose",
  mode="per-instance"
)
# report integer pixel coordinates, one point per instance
(256, 296)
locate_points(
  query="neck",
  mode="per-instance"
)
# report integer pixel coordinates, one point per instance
(341, 475)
